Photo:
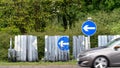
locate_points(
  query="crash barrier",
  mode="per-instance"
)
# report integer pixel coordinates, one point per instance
(25, 48)
(56, 48)
(104, 39)
(80, 43)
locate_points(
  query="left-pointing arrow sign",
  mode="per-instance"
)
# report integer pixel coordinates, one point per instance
(62, 43)
(86, 28)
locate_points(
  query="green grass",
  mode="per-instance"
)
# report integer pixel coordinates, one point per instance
(6, 63)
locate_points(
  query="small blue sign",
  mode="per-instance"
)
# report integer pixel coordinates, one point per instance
(89, 28)
(63, 43)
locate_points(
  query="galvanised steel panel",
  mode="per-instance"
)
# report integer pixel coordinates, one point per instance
(104, 39)
(23, 40)
(26, 48)
(80, 43)
(52, 52)
(17, 48)
(32, 48)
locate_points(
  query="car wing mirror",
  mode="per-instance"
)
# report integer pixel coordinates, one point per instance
(116, 47)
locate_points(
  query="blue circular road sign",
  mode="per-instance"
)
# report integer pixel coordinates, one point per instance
(89, 28)
(63, 43)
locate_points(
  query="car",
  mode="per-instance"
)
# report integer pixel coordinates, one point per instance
(101, 57)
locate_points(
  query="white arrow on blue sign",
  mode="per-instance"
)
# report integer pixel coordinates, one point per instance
(89, 28)
(63, 43)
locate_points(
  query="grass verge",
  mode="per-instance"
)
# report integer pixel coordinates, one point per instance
(6, 63)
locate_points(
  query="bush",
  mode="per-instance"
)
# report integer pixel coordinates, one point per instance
(4, 45)
(11, 30)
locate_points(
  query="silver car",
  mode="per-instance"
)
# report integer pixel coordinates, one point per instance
(101, 57)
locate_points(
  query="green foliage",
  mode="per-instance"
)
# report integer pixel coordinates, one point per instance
(55, 17)
(11, 30)
(41, 46)
(36, 16)
(4, 45)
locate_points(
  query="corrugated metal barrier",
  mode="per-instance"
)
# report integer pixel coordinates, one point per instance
(104, 39)
(25, 48)
(80, 43)
(52, 51)
(56, 47)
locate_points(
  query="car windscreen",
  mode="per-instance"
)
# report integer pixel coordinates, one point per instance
(111, 43)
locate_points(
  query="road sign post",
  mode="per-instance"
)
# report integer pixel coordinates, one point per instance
(89, 28)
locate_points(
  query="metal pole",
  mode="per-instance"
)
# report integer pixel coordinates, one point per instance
(89, 18)
(10, 43)
(88, 42)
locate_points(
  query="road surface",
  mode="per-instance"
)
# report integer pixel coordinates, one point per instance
(47, 66)
(41, 66)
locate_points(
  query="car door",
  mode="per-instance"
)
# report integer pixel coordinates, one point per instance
(115, 55)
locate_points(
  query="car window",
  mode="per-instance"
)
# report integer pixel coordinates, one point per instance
(114, 43)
